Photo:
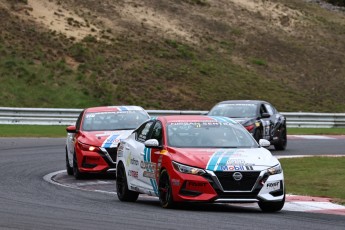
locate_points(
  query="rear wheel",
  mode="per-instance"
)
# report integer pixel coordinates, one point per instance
(281, 145)
(69, 169)
(77, 174)
(165, 192)
(123, 193)
(267, 206)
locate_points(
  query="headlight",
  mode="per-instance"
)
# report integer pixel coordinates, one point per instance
(86, 147)
(275, 169)
(187, 169)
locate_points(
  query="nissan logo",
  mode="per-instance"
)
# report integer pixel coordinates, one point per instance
(237, 176)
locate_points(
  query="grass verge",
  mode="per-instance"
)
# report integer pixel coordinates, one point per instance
(60, 131)
(32, 131)
(316, 131)
(315, 176)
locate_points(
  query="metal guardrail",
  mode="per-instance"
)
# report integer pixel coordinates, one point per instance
(53, 116)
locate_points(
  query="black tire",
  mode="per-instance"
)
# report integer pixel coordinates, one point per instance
(257, 134)
(77, 174)
(165, 193)
(69, 169)
(282, 142)
(266, 206)
(123, 193)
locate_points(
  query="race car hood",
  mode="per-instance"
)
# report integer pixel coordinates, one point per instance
(225, 159)
(105, 139)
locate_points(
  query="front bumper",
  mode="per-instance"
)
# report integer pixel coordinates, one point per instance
(96, 162)
(220, 187)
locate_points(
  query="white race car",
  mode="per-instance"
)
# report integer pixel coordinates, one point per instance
(198, 159)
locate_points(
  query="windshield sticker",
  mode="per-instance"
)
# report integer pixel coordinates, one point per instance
(201, 124)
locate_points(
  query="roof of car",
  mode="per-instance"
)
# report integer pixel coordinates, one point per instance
(242, 102)
(113, 108)
(195, 118)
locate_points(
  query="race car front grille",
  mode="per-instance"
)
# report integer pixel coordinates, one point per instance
(112, 153)
(230, 184)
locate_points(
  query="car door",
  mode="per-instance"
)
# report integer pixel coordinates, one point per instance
(136, 158)
(276, 118)
(266, 123)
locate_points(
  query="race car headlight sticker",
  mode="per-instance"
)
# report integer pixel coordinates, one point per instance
(187, 169)
(275, 169)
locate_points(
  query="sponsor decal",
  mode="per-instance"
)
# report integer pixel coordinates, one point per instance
(128, 159)
(236, 167)
(273, 185)
(222, 160)
(149, 174)
(148, 166)
(134, 161)
(133, 173)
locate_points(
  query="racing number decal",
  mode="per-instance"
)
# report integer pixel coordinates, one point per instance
(266, 128)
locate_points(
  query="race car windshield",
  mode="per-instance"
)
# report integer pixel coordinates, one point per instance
(234, 110)
(209, 135)
(121, 120)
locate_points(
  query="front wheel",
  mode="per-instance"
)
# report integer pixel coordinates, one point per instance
(69, 169)
(123, 193)
(165, 192)
(77, 174)
(267, 206)
(282, 142)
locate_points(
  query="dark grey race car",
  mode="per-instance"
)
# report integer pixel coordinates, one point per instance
(260, 118)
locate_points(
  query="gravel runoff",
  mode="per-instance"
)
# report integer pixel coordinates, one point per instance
(327, 5)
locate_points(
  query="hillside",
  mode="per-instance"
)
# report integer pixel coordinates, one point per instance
(177, 54)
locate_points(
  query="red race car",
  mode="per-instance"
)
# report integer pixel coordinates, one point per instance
(198, 159)
(91, 144)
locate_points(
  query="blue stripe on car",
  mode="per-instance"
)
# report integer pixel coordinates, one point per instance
(109, 141)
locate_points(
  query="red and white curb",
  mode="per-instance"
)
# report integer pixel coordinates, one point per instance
(313, 204)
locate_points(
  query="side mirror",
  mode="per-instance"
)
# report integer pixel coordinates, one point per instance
(152, 143)
(265, 115)
(71, 129)
(264, 143)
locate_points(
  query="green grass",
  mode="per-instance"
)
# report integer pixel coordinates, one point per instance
(32, 131)
(315, 176)
(316, 131)
(59, 131)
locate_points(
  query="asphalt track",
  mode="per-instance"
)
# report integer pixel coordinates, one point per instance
(28, 201)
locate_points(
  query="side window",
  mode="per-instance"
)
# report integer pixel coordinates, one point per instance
(157, 132)
(143, 131)
(270, 109)
(263, 109)
(77, 124)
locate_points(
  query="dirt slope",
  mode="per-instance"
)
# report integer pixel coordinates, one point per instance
(195, 52)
